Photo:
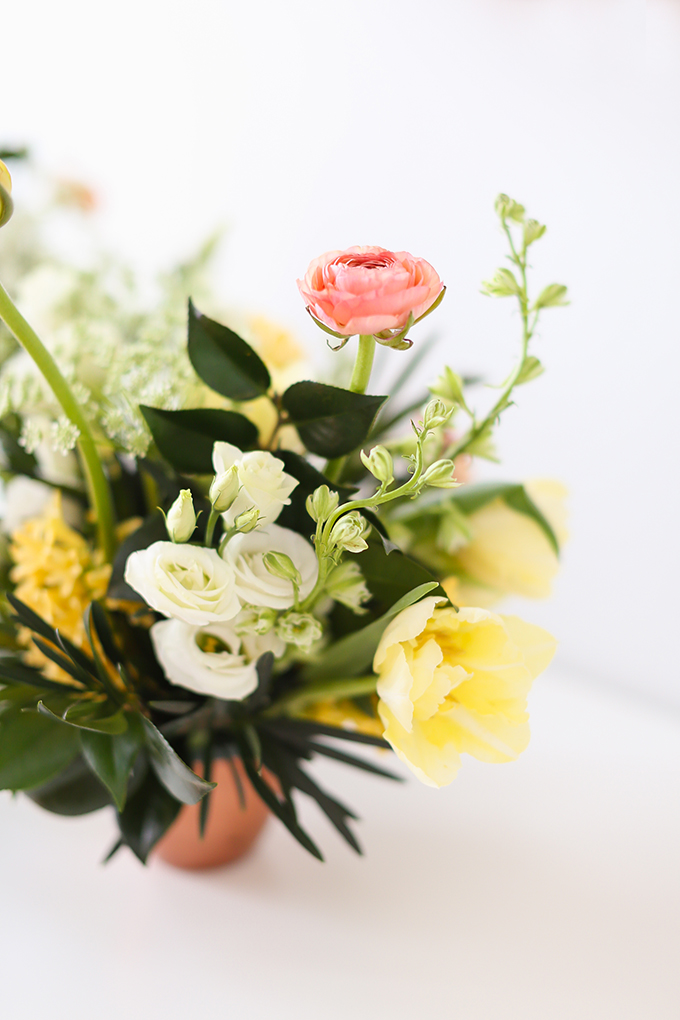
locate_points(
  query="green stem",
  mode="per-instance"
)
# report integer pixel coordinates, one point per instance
(361, 376)
(210, 527)
(97, 484)
(351, 687)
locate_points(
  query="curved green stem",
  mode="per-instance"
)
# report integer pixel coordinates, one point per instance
(361, 376)
(97, 484)
(351, 687)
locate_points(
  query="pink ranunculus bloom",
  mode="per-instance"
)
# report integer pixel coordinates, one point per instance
(367, 290)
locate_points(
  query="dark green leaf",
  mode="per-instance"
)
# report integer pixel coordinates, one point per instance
(225, 362)
(33, 749)
(111, 757)
(102, 628)
(175, 775)
(186, 438)
(74, 791)
(88, 715)
(30, 619)
(14, 672)
(102, 673)
(331, 422)
(147, 816)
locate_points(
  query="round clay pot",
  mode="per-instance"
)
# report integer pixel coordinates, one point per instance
(230, 831)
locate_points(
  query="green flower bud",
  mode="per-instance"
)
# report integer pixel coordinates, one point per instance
(440, 475)
(532, 231)
(247, 521)
(552, 296)
(501, 284)
(6, 204)
(379, 462)
(508, 209)
(321, 504)
(348, 533)
(346, 584)
(280, 565)
(224, 489)
(436, 414)
(449, 386)
(181, 518)
(299, 629)
(255, 620)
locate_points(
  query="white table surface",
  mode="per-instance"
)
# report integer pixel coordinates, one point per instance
(544, 890)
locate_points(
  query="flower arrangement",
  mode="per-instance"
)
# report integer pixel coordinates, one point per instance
(197, 580)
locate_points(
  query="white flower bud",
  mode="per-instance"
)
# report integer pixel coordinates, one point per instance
(280, 565)
(379, 462)
(299, 629)
(321, 504)
(255, 620)
(436, 414)
(348, 533)
(224, 489)
(440, 475)
(346, 584)
(181, 519)
(248, 520)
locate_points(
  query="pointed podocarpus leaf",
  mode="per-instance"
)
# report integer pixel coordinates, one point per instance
(111, 757)
(173, 773)
(331, 421)
(147, 816)
(225, 362)
(33, 748)
(73, 791)
(186, 438)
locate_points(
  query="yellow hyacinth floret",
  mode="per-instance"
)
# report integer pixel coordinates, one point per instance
(57, 574)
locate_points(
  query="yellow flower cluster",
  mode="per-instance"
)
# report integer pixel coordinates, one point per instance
(57, 575)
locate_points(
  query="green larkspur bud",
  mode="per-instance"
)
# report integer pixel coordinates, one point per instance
(532, 231)
(436, 414)
(224, 489)
(6, 204)
(379, 462)
(321, 504)
(508, 209)
(552, 296)
(299, 629)
(280, 565)
(348, 533)
(181, 518)
(440, 475)
(346, 584)
(501, 284)
(247, 521)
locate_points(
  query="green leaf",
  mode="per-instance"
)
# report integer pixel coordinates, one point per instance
(33, 749)
(87, 715)
(552, 296)
(173, 773)
(147, 816)
(331, 422)
(74, 791)
(14, 672)
(186, 438)
(111, 757)
(354, 653)
(531, 369)
(225, 362)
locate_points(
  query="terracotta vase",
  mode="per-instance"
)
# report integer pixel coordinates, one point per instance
(231, 830)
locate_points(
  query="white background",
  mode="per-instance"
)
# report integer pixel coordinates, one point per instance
(313, 125)
(546, 889)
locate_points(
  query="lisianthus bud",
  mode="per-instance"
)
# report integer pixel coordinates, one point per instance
(346, 584)
(440, 475)
(181, 518)
(248, 520)
(321, 504)
(280, 565)
(299, 629)
(255, 620)
(224, 489)
(6, 205)
(436, 414)
(348, 533)
(379, 462)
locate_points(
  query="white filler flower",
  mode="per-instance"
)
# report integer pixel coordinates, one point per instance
(211, 660)
(263, 482)
(184, 582)
(254, 583)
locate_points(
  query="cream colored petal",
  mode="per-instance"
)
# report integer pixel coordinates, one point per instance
(434, 765)
(406, 626)
(394, 686)
(536, 644)
(489, 738)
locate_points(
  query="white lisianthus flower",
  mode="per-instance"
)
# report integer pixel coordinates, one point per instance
(254, 583)
(211, 660)
(263, 482)
(184, 582)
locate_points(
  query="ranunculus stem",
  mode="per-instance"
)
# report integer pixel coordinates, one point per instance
(97, 483)
(361, 377)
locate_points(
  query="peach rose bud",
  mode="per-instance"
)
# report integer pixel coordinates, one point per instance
(370, 291)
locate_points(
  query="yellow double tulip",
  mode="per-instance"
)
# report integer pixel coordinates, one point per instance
(6, 205)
